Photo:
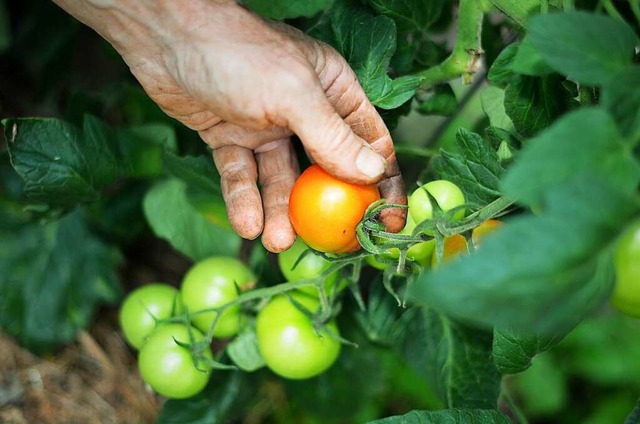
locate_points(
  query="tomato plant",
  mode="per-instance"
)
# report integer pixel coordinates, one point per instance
(214, 282)
(169, 367)
(626, 293)
(482, 230)
(324, 211)
(446, 194)
(288, 341)
(144, 307)
(453, 246)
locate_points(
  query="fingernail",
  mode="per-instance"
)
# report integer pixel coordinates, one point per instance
(370, 163)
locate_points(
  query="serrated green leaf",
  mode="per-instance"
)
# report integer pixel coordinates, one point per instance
(286, 9)
(198, 172)
(367, 42)
(409, 15)
(587, 48)
(554, 268)
(172, 217)
(621, 97)
(448, 416)
(500, 73)
(514, 350)
(61, 165)
(584, 142)
(528, 61)
(216, 404)
(476, 170)
(54, 277)
(243, 351)
(533, 103)
(457, 363)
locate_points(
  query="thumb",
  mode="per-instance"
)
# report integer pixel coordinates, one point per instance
(330, 142)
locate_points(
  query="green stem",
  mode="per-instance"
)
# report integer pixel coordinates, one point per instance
(522, 419)
(635, 8)
(466, 54)
(611, 9)
(490, 211)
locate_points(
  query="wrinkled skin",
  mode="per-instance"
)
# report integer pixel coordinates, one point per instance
(246, 85)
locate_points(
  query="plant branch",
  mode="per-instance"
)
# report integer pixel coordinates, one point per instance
(464, 58)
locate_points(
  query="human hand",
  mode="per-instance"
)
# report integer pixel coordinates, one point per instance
(246, 85)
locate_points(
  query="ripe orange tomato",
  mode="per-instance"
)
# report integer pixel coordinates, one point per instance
(453, 246)
(325, 211)
(483, 229)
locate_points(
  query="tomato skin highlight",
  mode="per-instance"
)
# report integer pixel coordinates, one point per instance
(288, 341)
(626, 293)
(212, 282)
(325, 211)
(143, 307)
(168, 367)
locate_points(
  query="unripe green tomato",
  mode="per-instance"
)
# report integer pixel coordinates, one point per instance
(168, 367)
(309, 267)
(447, 195)
(626, 293)
(210, 283)
(419, 252)
(288, 342)
(146, 305)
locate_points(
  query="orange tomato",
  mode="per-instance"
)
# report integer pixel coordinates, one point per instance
(325, 211)
(483, 229)
(453, 246)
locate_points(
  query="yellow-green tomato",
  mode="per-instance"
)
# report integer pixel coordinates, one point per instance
(288, 341)
(146, 305)
(168, 367)
(447, 195)
(211, 283)
(310, 266)
(626, 293)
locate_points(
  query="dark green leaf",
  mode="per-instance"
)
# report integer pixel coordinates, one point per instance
(441, 102)
(367, 42)
(54, 277)
(621, 97)
(409, 15)
(553, 270)
(172, 217)
(243, 351)
(448, 416)
(528, 61)
(61, 165)
(587, 48)
(142, 147)
(500, 73)
(476, 171)
(198, 172)
(582, 143)
(514, 350)
(533, 103)
(225, 393)
(458, 365)
(285, 9)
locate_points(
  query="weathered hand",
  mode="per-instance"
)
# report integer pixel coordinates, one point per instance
(246, 85)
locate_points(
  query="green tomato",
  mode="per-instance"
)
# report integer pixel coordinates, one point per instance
(310, 266)
(168, 367)
(146, 305)
(626, 293)
(288, 341)
(210, 283)
(447, 195)
(419, 252)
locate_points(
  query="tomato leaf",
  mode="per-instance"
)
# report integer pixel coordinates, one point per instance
(61, 165)
(225, 394)
(587, 48)
(367, 42)
(141, 148)
(286, 9)
(492, 100)
(198, 172)
(527, 60)
(501, 72)
(54, 277)
(243, 351)
(476, 171)
(456, 360)
(514, 350)
(621, 97)
(458, 416)
(172, 217)
(409, 15)
(581, 144)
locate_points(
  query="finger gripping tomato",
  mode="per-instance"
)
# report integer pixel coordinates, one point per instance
(325, 211)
